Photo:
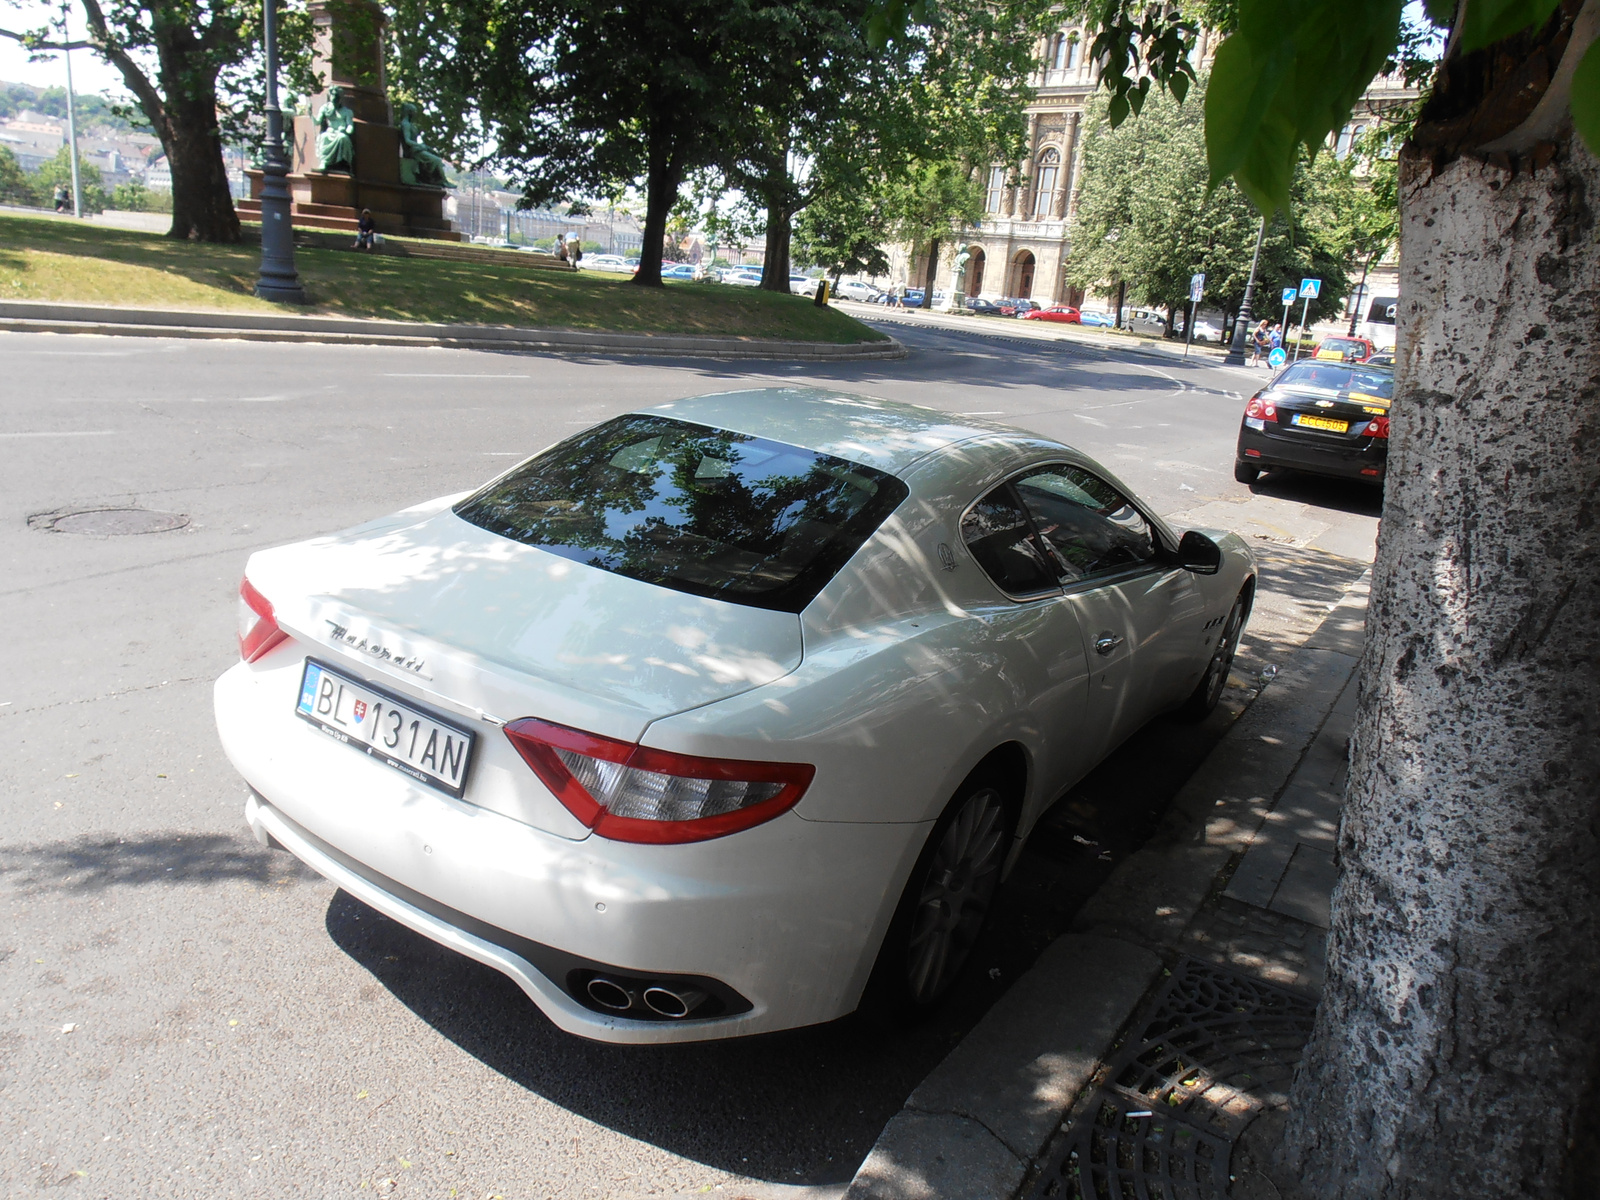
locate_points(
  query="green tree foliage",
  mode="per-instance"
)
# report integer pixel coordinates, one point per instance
(14, 185)
(1148, 217)
(585, 98)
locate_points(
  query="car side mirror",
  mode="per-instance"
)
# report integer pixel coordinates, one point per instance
(1198, 553)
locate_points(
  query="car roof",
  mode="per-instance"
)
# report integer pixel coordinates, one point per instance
(877, 433)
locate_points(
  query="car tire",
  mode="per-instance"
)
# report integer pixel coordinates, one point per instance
(1203, 700)
(945, 907)
(1243, 472)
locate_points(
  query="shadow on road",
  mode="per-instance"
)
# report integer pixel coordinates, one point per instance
(803, 1106)
(89, 864)
(1320, 491)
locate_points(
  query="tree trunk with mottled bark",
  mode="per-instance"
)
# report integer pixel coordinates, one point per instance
(775, 261)
(1457, 1046)
(202, 203)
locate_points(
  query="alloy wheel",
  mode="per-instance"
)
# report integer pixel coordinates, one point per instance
(956, 891)
(1222, 657)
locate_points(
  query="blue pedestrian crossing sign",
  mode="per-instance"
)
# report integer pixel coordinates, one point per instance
(1289, 295)
(1310, 288)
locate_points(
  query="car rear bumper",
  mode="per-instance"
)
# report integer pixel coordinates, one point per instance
(1366, 460)
(783, 920)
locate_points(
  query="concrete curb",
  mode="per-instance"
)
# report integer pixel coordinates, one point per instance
(42, 317)
(975, 1126)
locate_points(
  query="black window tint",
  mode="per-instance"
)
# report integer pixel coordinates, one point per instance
(1088, 523)
(997, 532)
(695, 509)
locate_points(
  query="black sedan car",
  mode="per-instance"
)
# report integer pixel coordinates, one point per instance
(985, 308)
(1327, 418)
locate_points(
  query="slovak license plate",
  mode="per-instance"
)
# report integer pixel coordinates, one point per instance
(397, 732)
(1331, 424)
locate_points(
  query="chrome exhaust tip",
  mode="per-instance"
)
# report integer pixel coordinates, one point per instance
(608, 994)
(665, 1002)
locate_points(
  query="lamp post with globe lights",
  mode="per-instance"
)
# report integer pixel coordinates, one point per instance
(279, 280)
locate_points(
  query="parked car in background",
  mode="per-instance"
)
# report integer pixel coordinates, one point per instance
(609, 724)
(985, 308)
(1017, 308)
(1328, 418)
(743, 278)
(1205, 332)
(680, 271)
(604, 262)
(1343, 349)
(1382, 358)
(1144, 320)
(1060, 313)
(1096, 318)
(854, 289)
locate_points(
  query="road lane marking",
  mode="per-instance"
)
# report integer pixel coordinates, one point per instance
(447, 375)
(63, 433)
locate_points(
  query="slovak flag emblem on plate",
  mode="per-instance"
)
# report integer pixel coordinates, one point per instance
(361, 711)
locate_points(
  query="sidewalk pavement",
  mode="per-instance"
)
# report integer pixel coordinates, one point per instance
(1237, 875)
(47, 317)
(1200, 353)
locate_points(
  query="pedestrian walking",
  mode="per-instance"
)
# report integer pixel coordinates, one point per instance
(561, 246)
(63, 198)
(366, 231)
(1275, 337)
(1258, 342)
(575, 253)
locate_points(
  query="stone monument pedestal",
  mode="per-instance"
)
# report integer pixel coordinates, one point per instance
(349, 55)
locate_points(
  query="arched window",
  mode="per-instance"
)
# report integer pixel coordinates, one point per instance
(997, 190)
(1058, 53)
(1072, 52)
(1046, 178)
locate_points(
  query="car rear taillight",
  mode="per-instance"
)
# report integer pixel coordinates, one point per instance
(1378, 427)
(1261, 410)
(258, 629)
(632, 793)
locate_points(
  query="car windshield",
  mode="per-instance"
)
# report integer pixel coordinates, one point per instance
(1332, 378)
(692, 508)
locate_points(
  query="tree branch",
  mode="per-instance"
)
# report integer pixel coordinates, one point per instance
(27, 39)
(132, 74)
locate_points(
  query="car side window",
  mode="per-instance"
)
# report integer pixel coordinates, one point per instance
(998, 533)
(1092, 528)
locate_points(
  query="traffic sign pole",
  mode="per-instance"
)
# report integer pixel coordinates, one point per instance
(1197, 288)
(1309, 289)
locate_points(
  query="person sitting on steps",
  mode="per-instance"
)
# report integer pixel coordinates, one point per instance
(366, 231)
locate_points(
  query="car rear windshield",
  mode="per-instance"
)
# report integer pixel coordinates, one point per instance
(692, 508)
(1332, 378)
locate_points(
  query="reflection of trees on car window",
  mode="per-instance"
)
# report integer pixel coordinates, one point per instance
(703, 510)
(1091, 527)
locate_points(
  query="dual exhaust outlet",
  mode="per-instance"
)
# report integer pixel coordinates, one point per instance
(673, 1003)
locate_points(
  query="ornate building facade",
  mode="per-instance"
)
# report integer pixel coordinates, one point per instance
(1020, 248)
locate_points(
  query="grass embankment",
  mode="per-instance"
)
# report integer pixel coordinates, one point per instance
(62, 260)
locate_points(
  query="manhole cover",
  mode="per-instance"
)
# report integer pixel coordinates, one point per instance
(109, 522)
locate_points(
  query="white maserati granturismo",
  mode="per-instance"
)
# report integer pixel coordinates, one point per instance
(722, 714)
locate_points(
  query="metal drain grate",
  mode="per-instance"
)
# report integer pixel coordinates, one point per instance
(1216, 1049)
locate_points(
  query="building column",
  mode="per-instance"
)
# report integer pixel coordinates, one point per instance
(1069, 170)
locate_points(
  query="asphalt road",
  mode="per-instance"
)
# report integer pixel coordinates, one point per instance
(185, 1014)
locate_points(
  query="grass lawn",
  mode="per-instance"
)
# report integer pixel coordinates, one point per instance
(60, 259)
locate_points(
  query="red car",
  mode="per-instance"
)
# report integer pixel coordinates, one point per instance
(1344, 349)
(1061, 313)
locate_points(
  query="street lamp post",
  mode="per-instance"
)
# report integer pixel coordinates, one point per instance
(279, 280)
(72, 115)
(1241, 324)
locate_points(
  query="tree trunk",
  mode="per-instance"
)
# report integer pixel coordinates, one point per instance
(202, 205)
(775, 263)
(1456, 1046)
(661, 193)
(933, 273)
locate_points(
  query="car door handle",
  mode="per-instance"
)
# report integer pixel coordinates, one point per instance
(1106, 643)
